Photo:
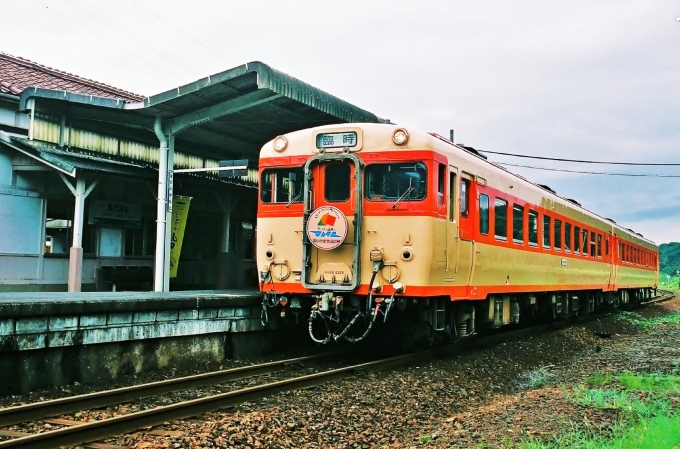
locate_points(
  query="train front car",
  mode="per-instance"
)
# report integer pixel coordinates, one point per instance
(346, 226)
(360, 225)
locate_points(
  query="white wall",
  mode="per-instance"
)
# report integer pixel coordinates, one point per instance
(21, 224)
(5, 168)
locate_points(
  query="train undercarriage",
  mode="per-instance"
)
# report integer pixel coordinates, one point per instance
(429, 321)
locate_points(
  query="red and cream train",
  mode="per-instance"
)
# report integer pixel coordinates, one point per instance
(366, 223)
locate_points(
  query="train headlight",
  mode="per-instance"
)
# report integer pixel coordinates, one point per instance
(280, 143)
(269, 254)
(400, 136)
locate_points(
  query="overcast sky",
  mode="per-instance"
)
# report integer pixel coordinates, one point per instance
(597, 80)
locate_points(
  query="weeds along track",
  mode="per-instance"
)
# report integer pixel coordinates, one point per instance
(73, 432)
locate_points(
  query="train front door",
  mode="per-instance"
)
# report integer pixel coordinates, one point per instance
(332, 201)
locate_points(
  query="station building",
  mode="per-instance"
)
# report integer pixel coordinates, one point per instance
(88, 173)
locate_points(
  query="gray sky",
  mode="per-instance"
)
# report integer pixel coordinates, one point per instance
(578, 79)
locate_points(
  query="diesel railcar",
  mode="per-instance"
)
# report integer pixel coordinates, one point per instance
(367, 224)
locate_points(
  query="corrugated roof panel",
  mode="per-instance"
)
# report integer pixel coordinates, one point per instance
(92, 141)
(138, 151)
(46, 130)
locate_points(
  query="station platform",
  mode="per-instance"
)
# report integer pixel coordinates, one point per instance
(52, 339)
(25, 304)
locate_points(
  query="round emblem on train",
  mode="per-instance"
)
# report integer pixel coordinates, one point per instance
(327, 227)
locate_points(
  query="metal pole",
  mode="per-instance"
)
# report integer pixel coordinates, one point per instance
(161, 209)
(168, 212)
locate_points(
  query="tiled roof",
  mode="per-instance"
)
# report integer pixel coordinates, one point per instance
(16, 74)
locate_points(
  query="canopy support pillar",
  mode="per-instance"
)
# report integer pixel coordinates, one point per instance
(75, 265)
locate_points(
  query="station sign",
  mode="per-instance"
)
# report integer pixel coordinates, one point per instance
(115, 214)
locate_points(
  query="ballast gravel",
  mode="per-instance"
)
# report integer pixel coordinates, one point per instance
(480, 398)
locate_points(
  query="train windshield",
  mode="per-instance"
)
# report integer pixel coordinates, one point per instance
(281, 185)
(390, 182)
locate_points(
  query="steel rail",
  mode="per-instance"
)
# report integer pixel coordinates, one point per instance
(39, 410)
(97, 430)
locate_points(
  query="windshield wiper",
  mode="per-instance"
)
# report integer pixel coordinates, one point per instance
(403, 195)
(293, 200)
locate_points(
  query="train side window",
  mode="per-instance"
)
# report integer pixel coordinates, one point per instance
(281, 185)
(567, 237)
(403, 181)
(517, 223)
(464, 197)
(606, 246)
(599, 245)
(546, 232)
(483, 214)
(585, 242)
(577, 240)
(441, 183)
(500, 223)
(452, 196)
(557, 235)
(592, 244)
(533, 228)
(337, 182)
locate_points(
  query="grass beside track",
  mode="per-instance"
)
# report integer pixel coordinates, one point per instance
(648, 323)
(648, 401)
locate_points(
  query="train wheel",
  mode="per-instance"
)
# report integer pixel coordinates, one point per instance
(556, 307)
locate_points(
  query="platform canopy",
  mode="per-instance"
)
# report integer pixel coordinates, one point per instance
(230, 113)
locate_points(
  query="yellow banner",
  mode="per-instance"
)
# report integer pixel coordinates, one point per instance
(180, 211)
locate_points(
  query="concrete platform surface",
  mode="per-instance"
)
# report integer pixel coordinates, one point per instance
(23, 304)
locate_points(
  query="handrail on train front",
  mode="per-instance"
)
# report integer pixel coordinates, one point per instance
(358, 221)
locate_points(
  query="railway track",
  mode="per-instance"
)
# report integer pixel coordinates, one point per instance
(78, 432)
